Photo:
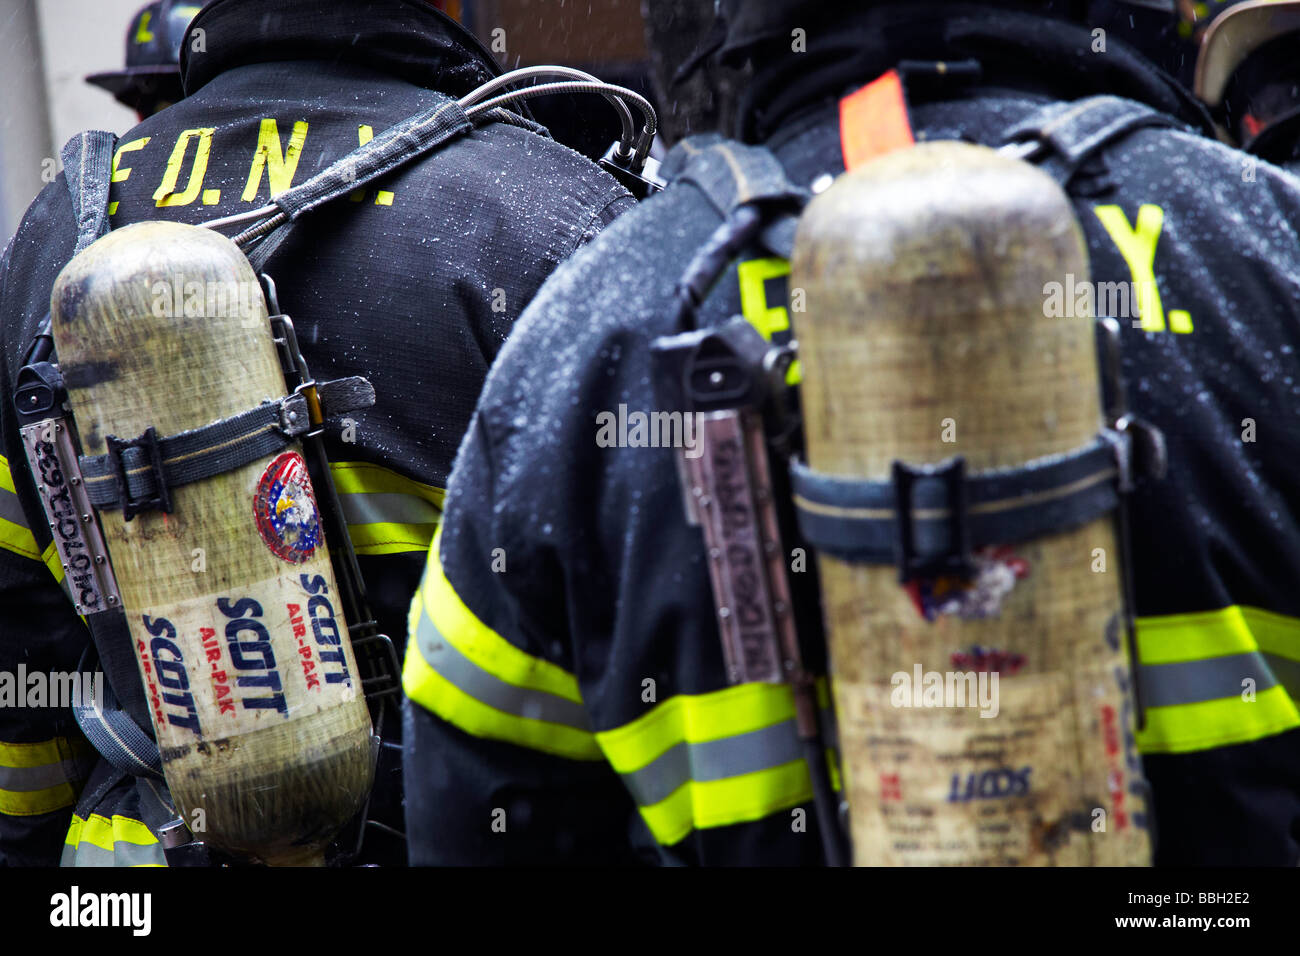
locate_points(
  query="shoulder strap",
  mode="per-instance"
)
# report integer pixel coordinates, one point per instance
(1072, 132)
(110, 729)
(749, 190)
(419, 135)
(88, 170)
(732, 175)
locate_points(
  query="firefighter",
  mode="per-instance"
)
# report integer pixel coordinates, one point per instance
(151, 79)
(1248, 76)
(567, 692)
(413, 281)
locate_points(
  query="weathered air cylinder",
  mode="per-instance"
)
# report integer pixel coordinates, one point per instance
(231, 600)
(927, 336)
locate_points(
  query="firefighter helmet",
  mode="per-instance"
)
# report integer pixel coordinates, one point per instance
(152, 76)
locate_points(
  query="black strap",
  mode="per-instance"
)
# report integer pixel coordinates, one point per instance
(137, 474)
(110, 635)
(106, 724)
(417, 136)
(1074, 131)
(87, 171)
(732, 175)
(930, 518)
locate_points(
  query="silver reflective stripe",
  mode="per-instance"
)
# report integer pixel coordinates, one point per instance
(10, 508)
(486, 688)
(1190, 682)
(718, 759)
(122, 854)
(388, 508)
(1286, 671)
(28, 779)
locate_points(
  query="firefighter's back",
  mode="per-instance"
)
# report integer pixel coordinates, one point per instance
(1192, 248)
(413, 281)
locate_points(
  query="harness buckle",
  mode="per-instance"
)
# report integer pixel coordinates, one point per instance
(954, 559)
(148, 443)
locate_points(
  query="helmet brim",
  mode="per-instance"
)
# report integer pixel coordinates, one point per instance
(136, 84)
(1233, 36)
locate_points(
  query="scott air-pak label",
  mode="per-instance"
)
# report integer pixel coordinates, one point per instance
(232, 663)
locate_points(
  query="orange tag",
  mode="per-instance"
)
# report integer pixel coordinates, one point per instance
(873, 121)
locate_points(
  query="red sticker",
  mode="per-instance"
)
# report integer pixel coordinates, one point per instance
(286, 511)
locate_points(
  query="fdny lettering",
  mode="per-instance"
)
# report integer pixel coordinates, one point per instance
(122, 173)
(279, 166)
(67, 528)
(166, 194)
(326, 630)
(1137, 244)
(274, 160)
(172, 675)
(755, 303)
(304, 649)
(254, 656)
(220, 679)
(142, 33)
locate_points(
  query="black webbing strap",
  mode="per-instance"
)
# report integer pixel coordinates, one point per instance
(1074, 131)
(933, 516)
(123, 695)
(732, 175)
(87, 171)
(749, 189)
(394, 147)
(129, 475)
(117, 737)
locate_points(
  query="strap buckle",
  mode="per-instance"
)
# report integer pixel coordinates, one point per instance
(148, 443)
(955, 558)
(315, 415)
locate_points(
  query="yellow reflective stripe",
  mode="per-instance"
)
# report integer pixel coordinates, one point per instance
(1205, 636)
(31, 755)
(715, 803)
(352, 478)
(388, 538)
(823, 688)
(434, 693)
(460, 669)
(18, 539)
(15, 536)
(1238, 629)
(1217, 723)
(51, 558)
(34, 756)
(696, 719)
(33, 803)
(99, 842)
(709, 760)
(489, 650)
(360, 476)
(101, 832)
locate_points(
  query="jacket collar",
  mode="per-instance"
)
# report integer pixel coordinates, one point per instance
(1016, 51)
(405, 38)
